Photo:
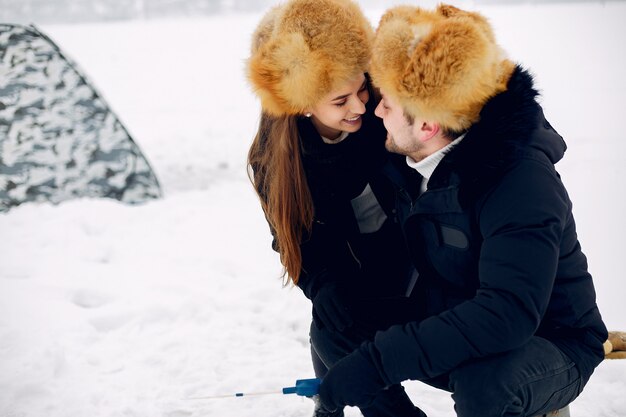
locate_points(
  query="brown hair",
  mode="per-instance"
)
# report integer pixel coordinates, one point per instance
(448, 133)
(276, 170)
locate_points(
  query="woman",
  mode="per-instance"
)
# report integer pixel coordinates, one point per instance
(317, 165)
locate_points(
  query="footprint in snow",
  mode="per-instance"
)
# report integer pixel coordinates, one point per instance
(110, 322)
(89, 299)
(178, 413)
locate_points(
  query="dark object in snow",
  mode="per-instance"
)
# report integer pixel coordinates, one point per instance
(58, 137)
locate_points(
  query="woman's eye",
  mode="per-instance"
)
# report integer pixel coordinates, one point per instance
(340, 104)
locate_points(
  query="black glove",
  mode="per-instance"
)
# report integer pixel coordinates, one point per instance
(330, 309)
(354, 380)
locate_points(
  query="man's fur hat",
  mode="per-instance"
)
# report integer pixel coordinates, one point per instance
(304, 49)
(440, 65)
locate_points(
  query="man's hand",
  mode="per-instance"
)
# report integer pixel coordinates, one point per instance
(354, 381)
(330, 309)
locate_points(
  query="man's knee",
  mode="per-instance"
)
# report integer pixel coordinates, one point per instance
(481, 390)
(527, 381)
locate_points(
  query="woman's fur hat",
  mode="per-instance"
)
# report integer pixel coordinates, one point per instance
(441, 65)
(304, 49)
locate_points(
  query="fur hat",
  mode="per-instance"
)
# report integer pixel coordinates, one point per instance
(304, 49)
(441, 65)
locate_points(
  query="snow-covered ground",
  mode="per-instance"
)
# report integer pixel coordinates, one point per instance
(109, 310)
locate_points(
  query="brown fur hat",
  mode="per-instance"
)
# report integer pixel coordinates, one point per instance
(441, 65)
(304, 49)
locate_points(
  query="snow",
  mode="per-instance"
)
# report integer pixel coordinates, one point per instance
(112, 310)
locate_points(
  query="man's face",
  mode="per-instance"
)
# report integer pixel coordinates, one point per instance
(400, 136)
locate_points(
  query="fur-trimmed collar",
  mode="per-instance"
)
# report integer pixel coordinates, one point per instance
(511, 126)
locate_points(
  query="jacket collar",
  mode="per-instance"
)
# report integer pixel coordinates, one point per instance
(511, 126)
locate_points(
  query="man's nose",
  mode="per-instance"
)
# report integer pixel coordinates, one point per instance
(378, 111)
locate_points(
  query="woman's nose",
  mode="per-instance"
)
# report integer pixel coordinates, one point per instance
(357, 106)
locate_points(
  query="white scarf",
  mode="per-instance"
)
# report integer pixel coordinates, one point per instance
(427, 166)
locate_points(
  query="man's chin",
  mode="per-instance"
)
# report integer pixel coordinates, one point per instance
(391, 146)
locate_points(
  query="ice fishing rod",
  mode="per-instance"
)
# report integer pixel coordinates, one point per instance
(303, 388)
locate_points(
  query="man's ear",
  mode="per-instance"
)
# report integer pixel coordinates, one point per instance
(424, 131)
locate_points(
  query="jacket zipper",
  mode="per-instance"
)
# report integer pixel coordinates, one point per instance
(353, 254)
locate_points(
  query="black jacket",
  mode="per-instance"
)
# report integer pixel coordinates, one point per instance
(356, 242)
(495, 243)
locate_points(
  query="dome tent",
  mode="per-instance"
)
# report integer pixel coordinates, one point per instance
(58, 137)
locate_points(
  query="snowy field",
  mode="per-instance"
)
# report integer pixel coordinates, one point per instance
(115, 311)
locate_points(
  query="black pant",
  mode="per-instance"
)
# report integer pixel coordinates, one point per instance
(369, 316)
(531, 380)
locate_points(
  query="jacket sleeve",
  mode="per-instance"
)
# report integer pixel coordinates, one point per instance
(521, 222)
(325, 259)
(324, 254)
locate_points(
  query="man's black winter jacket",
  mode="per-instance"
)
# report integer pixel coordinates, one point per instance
(494, 241)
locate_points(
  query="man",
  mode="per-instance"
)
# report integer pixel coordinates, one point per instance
(507, 315)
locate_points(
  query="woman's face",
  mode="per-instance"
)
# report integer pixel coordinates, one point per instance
(341, 109)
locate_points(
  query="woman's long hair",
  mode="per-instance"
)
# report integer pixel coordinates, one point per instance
(275, 168)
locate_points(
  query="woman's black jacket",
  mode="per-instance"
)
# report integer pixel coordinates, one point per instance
(355, 241)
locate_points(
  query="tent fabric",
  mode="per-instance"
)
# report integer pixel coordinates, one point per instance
(58, 137)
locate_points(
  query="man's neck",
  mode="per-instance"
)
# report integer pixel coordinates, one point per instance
(426, 166)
